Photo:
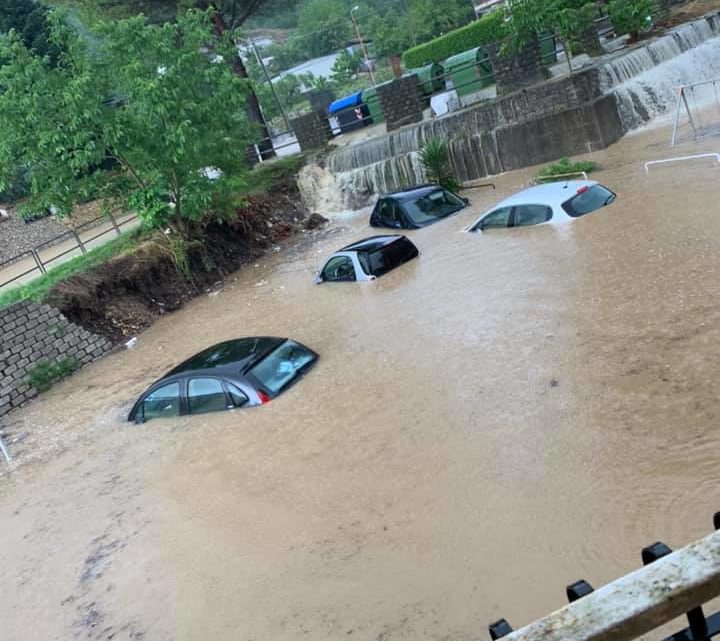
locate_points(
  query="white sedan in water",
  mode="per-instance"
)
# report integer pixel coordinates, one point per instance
(549, 203)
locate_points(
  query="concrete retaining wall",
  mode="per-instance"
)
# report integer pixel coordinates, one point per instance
(32, 333)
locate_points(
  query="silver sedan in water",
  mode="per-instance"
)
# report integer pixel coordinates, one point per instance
(550, 203)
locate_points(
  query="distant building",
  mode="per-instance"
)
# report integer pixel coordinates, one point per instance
(481, 8)
(318, 67)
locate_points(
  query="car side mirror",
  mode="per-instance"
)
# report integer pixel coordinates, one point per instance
(466, 201)
(318, 279)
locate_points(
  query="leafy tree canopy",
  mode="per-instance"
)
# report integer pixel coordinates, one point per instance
(30, 21)
(151, 98)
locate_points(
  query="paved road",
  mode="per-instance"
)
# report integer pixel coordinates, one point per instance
(60, 253)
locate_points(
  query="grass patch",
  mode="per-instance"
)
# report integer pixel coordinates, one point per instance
(566, 166)
(265, 176)
(261, 180)
(44, 374)
(37, 289)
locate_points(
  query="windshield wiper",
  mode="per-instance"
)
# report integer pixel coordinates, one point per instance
(259, 357)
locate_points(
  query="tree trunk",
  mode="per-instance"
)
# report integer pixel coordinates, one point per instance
(252, 105)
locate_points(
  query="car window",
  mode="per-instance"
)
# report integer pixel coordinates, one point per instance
(395, 213)
(531, 215)
(206, 395)
(498, 218)
(279, 368)
(432, 206)
(339, 268)
(384, 209)
(237, 396)
(588, 199)
(386, 258)
(164, 402)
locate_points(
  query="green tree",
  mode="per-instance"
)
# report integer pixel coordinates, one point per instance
(324, 26)
(30, 21)
(150, 98)
(631, 16)
(346, 66)
(228, 16)
(430, 18)
(390, 33)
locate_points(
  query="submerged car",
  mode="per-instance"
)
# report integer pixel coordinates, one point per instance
(238, 373)
(367, 259)
(548, 203)
(416, 207)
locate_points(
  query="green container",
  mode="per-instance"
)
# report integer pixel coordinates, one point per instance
(370, 98)
(470, 71)
(430, 77)
(547, 49)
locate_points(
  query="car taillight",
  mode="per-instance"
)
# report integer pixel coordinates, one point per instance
(582, 189)
(264, 398)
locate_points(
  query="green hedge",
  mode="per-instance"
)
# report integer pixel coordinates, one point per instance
(490, 28)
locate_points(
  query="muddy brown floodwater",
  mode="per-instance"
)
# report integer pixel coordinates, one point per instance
(507, 414)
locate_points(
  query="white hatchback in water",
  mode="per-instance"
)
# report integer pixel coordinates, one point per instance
(548, 203)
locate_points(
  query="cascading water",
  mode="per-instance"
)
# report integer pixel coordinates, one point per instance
(643, 80)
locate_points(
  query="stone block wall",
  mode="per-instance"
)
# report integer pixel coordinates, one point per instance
(401, 101)
(31, 333)
(320, 99)
(517, 70)
(312, 130)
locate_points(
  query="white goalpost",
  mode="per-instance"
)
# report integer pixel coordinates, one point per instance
(687, 94)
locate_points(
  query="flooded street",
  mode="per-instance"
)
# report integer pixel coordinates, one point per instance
(511, 412)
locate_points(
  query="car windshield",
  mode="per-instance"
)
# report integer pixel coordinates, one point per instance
(432, 206)
(282, 366)
(588, 199)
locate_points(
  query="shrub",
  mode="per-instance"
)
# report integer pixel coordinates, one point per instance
(18, 187)
(435, 159)
(630, 16)
(44, 374)
(490, 28)
(566, 166)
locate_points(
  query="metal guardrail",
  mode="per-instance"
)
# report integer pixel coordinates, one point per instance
(41, 264)
(670, 585)
(679, 159)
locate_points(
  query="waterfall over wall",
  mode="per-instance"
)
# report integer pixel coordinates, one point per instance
(588, 110)
(645, 80)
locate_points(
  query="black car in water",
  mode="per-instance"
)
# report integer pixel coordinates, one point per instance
(367, 259)
(416, 207)
(238, 373)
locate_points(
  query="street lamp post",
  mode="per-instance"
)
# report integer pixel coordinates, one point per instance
(362, 43)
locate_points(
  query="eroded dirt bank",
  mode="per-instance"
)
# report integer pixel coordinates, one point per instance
(504, 415)
(127, 294)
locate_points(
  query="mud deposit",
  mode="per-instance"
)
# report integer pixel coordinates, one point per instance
(503, 416)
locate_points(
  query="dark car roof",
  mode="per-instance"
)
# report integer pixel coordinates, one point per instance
(372, 243)
(233, 355)
(411, 193)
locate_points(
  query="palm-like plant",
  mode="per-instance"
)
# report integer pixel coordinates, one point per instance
(435, 159)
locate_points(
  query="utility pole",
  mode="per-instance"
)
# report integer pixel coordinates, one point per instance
(362, 43)
(258, 57)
